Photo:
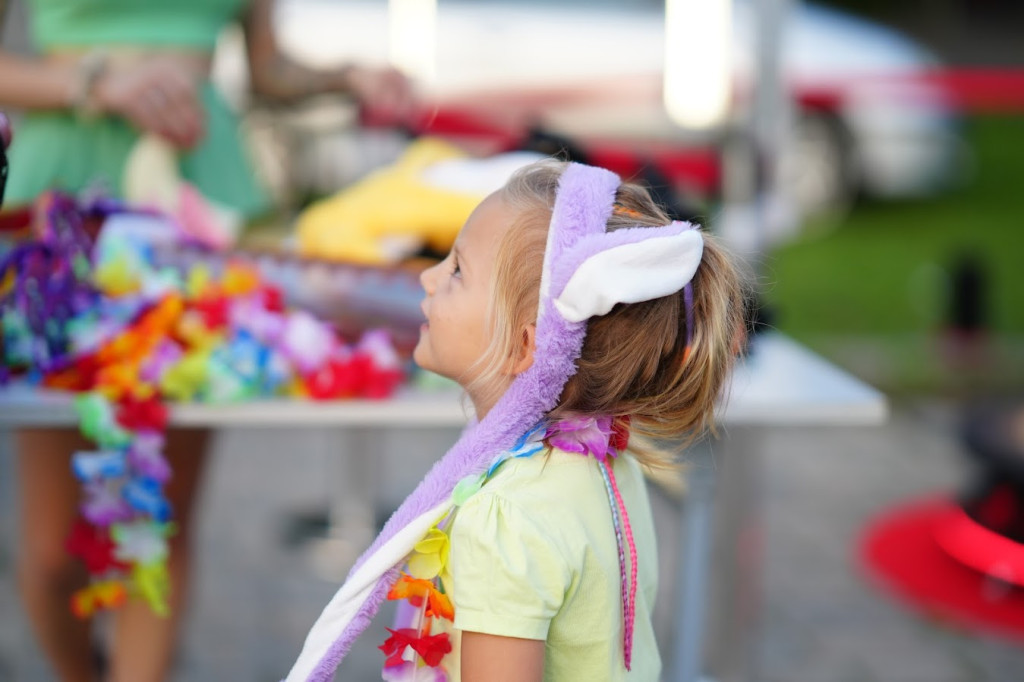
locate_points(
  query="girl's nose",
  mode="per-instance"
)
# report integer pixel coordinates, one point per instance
(427, 279)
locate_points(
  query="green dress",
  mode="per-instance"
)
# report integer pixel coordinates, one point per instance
(56, 149)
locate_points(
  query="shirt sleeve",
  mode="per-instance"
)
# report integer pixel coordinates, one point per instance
(509, 577)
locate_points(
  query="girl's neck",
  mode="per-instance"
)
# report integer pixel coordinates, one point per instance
(482, 406)
(484, 399)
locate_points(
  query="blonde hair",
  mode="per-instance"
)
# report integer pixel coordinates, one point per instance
(635, 361)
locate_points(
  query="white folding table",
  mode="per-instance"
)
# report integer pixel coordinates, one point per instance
(779, 383)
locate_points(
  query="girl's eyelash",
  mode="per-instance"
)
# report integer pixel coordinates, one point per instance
(455, 267)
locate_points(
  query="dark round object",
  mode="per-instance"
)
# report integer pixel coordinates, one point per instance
(994, 436)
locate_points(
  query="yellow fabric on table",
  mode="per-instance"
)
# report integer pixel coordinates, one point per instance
(388, 213)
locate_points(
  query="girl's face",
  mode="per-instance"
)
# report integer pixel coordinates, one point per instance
(456, 334)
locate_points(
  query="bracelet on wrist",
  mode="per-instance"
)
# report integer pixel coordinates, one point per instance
(87, 73)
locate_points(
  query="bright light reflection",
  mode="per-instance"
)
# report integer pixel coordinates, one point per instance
(698, 41)
(412, 37)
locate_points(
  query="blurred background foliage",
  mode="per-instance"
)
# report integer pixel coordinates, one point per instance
(875, 289)
(887, 266)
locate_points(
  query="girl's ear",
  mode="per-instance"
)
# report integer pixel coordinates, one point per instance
(524, 350)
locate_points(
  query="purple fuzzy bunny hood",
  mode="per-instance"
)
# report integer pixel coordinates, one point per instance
(579, 260)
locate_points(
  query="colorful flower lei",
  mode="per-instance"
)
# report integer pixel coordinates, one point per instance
(413, 652)
(85, 309)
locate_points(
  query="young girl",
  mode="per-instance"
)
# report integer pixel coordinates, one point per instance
(574, 314)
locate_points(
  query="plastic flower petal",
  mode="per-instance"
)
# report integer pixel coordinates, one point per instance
(409, 671)
(108, 594)
(132, 344)
(165, 354)
(583, 435)
(277, 372)
(403, 671)
(97, 421)
(440, 606)
(394, 646)
(103, 504)
(137, 415)
(115, 381)
(192, 329)
(145, 496)
(416, 590)
(94, 546)
(381, 383)
(142, 541)
(376, 343)
(161, 282)
(467, 487)
(413, 589)
(620, 434)
(330, 381)
(244, 354)
(160, 319)
(528, 445)
(249, 316)
(145, 456)
(430, 555)
(431, 648)
(223, 384)
(198, 281)
(88, 334)
(213, 310)
(240, 279)
(184, 379)
(272, 298)
(152, 582)
(307, 341)
(117, 277)
(94, 465)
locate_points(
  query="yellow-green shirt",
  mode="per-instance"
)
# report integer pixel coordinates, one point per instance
(533, 555)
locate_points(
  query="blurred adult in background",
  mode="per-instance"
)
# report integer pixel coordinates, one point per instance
(106, 72)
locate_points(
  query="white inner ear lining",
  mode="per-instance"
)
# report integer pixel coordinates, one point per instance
(630, 273)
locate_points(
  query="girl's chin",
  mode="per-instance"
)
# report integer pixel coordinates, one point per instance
(419, 355)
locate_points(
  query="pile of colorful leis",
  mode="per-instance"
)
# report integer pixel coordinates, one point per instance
(93, 315)
(418, 645)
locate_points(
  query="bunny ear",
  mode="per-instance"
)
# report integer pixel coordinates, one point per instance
(629, 266)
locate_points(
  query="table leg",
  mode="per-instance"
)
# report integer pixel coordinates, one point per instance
(693, 563)
(734, 589)
(718, 567)
(352, 467)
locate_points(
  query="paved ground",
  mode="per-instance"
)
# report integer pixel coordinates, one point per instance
(820, 621)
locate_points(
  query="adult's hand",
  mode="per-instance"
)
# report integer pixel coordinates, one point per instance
(158, 95)
(275, 76)
(385, 91)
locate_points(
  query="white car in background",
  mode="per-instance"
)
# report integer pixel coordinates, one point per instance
(870, 120)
